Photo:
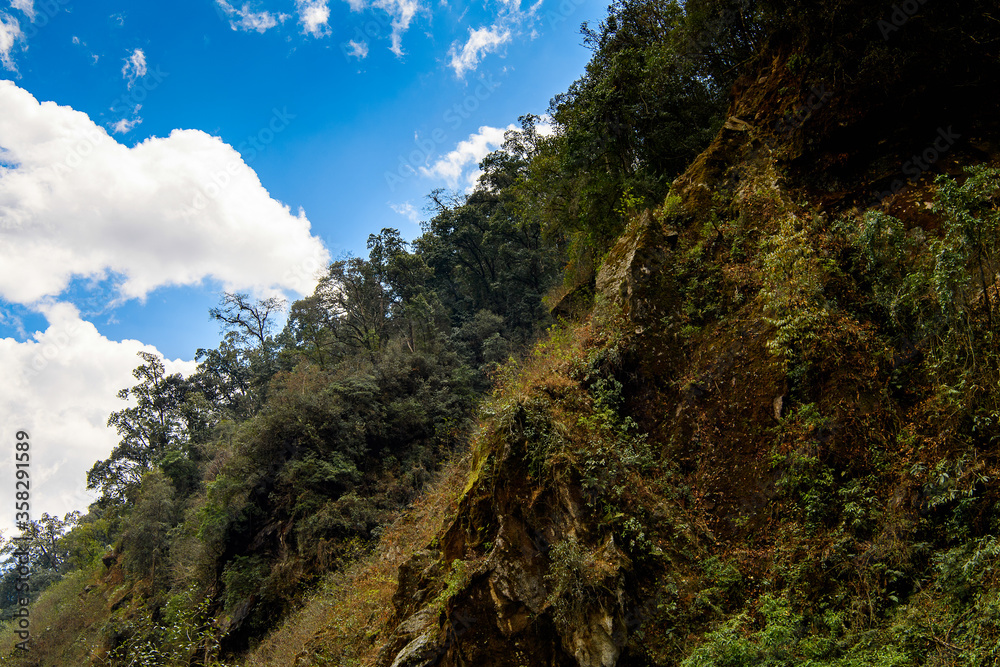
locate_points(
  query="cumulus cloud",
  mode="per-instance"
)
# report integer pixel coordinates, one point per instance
(10, 35)
(481, 41)
(461, 164)
(402, 13)
(246, 19)
(168, 211)
(135, 67)
(358, 50)
(60, 386)
(26, 6)
(314, 15)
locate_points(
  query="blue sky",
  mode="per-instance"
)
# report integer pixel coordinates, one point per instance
(154, 153)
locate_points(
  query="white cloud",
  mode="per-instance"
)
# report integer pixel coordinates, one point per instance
(454, 167)
(402, 13)
(546, 126)
(60, 386)
(76, 40)
(314, 15)
(407, 210)
(125, 125)
(358, 50)
(26, 6)
(511, 21)
(10, 34)
(482, 41)
(250, 20)
(135, 67)
(168, 211)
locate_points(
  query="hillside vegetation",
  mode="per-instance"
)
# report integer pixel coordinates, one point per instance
(707, 377)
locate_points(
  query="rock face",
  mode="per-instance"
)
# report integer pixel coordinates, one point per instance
(633, 270)
(492, 596)
(488, 597)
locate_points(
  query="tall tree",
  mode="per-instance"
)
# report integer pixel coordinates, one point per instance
(146, 429)
(247, 358)
(252, 320)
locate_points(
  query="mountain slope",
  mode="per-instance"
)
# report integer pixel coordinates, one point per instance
(744, 455)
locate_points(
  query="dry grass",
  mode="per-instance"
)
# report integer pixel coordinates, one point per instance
(347, 621)
(65, 626)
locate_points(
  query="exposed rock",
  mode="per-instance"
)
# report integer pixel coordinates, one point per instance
(575, 303)
(412, 640)
(735, 124)
(502, 614)
(421, 652)
(413, 575)
(633, 267)
(594, 641)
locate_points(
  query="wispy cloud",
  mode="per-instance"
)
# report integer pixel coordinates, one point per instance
(246, 19)
(314, 15)
(407, 210)
(402, 13)
(10, 35)
(511, 21)
(125, 125)
(484, 40)
(135, 67)
(358, 50)
(461, 164)
(79, 42)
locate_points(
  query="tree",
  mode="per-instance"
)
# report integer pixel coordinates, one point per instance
(225, 378)
(654, 94)
(247, 358)
(251, 320)
(147, 429)
(353, 293)
(43, 541)
(146, 542)
(310, 332)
